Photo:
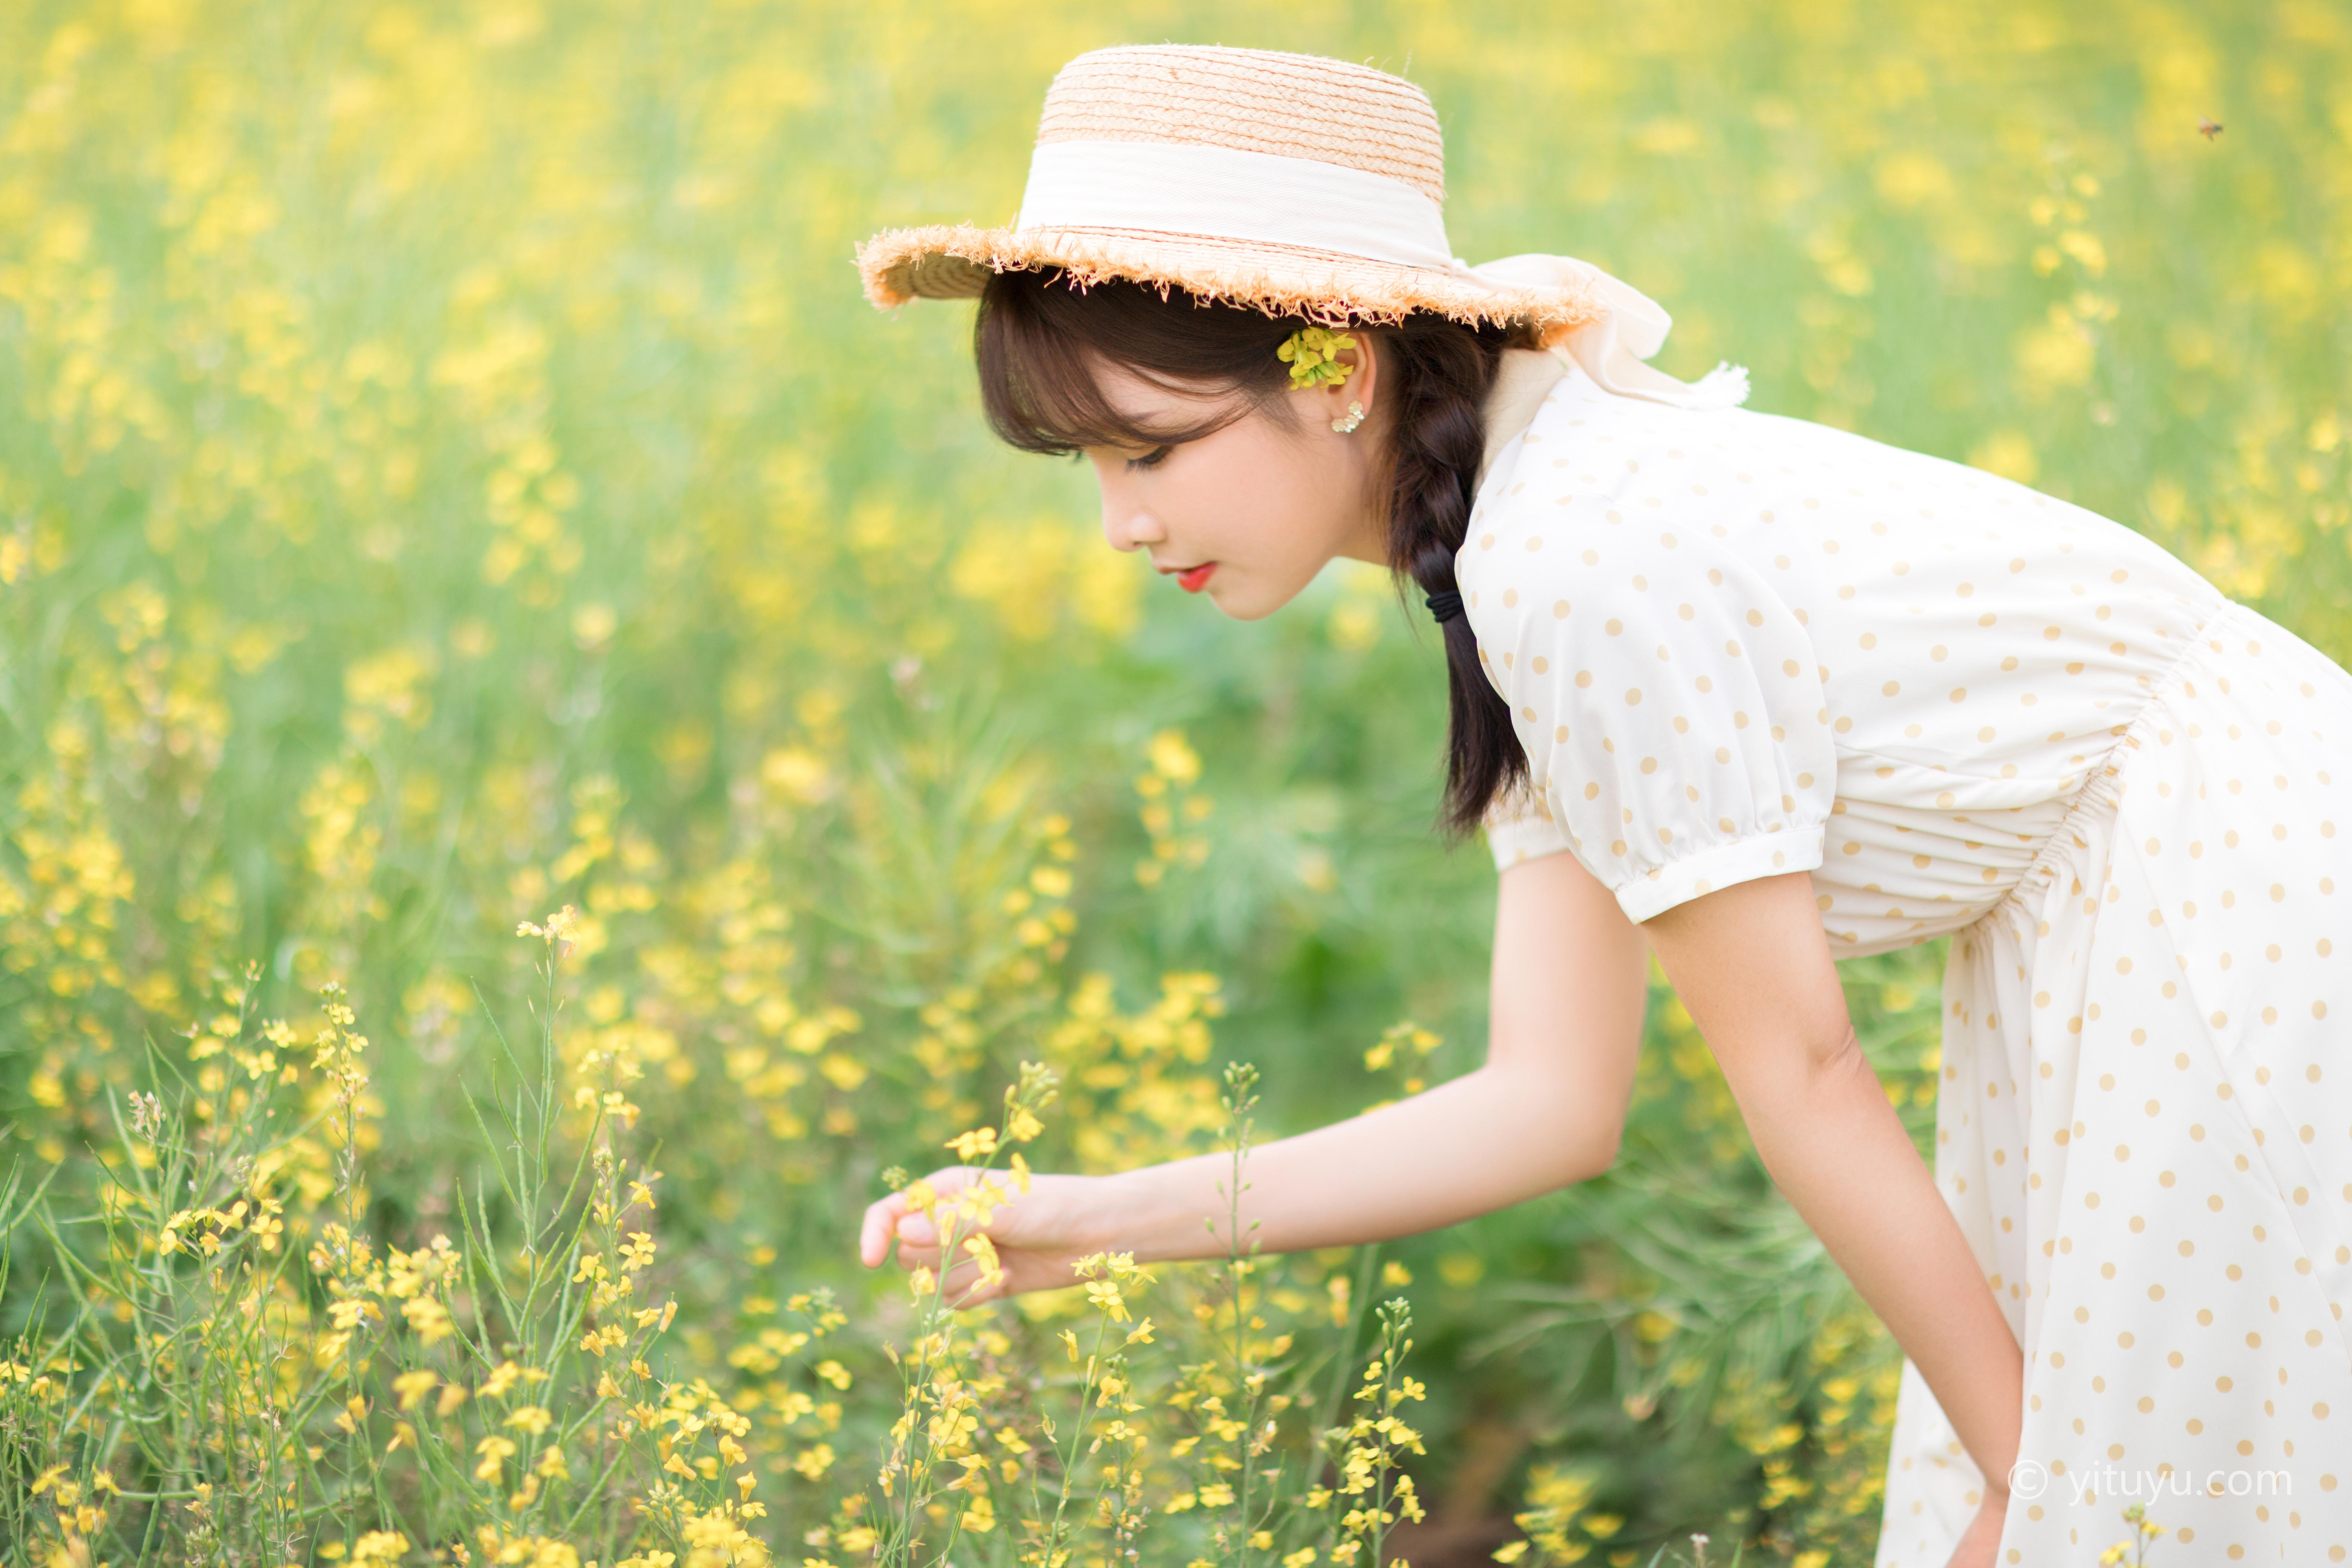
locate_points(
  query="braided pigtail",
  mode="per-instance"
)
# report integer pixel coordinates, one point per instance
(1439, 372)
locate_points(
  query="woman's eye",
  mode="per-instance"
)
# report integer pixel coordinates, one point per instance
(1151, 459)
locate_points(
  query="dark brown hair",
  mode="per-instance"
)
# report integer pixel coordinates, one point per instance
(1037, 340)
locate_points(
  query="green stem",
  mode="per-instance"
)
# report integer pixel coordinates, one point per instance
(1087, 1379)
(1344, 1367)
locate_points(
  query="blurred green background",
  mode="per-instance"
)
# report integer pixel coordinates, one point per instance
(448, 470)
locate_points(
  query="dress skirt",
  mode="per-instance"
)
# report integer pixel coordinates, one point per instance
(2144, 1127)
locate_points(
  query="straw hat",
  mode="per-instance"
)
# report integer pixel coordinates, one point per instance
(1292, 182)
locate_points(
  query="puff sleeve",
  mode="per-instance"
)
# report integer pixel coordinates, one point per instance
(1519, 827)
(1672, 710)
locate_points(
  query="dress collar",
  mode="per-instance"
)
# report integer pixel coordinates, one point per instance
(1526, 377)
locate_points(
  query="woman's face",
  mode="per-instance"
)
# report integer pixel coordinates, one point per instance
(1249, 514)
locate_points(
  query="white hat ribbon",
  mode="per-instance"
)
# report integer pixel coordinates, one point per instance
(1184, 189)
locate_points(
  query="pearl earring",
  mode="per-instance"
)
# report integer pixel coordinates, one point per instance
(1354, 416)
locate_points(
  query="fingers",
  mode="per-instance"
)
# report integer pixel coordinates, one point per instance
(958, 1275)
(882, 1218)
(961, 1287)
(911, 1257)
(914, 1228)
(897, 1219)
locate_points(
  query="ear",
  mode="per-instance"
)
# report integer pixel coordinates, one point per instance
(1362, 386)
(1331, 401)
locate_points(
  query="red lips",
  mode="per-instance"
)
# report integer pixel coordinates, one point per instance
(1195, 580)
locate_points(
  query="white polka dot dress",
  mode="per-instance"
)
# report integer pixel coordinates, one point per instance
(1736, 645)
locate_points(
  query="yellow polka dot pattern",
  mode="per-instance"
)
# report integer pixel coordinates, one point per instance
(1890, 670)
(1738, 645)
(2146, 1127)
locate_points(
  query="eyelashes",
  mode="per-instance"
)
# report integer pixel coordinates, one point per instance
(1151, 459)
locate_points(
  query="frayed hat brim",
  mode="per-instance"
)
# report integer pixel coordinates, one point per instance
(952, 261)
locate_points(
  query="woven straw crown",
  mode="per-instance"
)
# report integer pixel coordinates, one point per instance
(1291, 183)
(1292, 106)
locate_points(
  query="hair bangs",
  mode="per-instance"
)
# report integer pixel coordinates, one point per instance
(1040, 345)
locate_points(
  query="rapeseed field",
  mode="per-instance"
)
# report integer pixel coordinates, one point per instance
(546, 760)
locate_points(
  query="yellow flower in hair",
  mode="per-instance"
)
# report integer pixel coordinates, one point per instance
(1313, 355)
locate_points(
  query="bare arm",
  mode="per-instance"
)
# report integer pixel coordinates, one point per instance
(1751, 965)
(1565, 1028)
(1567, 992)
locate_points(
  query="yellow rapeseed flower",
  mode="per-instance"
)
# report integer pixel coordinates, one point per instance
(412, 1386)
(494, 1452)
(975, 1144)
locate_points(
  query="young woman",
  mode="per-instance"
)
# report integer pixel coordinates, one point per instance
(1754, 695)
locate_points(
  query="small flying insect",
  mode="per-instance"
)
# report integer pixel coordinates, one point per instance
(2209, 128)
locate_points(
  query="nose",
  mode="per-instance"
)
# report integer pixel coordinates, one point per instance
(1126, 526)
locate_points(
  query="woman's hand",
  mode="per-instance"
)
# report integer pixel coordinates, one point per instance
(1037, 1234)
(1979, 1547)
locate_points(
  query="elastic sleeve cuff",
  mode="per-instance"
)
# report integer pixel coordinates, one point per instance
(1725, 865)
(1524, 838)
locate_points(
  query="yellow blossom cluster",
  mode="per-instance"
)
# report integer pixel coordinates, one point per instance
(1172, 810)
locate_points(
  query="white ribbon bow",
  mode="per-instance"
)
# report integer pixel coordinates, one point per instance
(1630, 329)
